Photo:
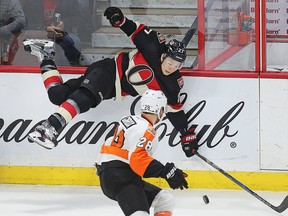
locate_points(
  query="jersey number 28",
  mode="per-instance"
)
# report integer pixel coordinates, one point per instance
(144, 143)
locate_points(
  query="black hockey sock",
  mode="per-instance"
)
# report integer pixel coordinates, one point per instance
(50, 75)
(47, 65)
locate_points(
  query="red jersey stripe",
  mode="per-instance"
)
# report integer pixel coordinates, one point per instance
(51, 80)
(70, 108)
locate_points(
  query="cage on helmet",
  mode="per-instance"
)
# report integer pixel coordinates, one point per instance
(152, 101)
(175, 50)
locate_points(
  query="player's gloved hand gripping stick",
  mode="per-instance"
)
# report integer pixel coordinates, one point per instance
(189, 142)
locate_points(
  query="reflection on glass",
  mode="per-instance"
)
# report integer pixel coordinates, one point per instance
(67, 22)
(82, 35)
(228, 36)
(276, 35)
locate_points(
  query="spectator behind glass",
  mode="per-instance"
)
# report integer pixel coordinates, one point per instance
(73, 27)
(12, 22)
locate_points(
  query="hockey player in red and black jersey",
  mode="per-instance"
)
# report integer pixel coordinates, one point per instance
(152, 65)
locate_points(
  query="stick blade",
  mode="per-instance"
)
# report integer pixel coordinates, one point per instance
(283, 206)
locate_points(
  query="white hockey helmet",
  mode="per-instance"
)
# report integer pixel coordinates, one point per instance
(152, 101)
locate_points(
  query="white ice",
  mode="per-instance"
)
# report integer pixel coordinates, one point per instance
(33, 200)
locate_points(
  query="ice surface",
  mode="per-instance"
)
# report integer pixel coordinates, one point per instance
(33, 200)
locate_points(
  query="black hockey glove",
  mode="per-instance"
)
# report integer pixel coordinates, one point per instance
(115, 16)
(174, 176)
(189, 142)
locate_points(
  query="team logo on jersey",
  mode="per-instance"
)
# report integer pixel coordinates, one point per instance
(128, 122)
(180, 82)
(161, 37)
(140, 75)
(86, 81)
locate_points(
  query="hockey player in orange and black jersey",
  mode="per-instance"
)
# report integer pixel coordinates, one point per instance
(152, 65)
(128, 156)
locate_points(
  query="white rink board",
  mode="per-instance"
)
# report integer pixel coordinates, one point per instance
(274, 124)
(226, 108)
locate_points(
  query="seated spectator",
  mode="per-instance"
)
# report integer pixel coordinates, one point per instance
(12, 22)
(66, 21)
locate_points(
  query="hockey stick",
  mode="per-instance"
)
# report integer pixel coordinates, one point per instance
(189, 34)
(191, 31)
(282, 207)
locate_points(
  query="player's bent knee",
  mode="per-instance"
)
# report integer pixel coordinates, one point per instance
(58, 94)
(139, 213)
(84, 99)
(163, 202)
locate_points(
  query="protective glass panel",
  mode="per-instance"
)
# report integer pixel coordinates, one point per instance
(276, 35)
(68, 23)
(227, 40)
(82, 35)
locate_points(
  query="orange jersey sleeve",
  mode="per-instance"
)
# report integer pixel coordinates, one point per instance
(140, 158)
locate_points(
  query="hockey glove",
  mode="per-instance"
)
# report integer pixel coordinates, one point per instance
(174, 176)
(115, 16)
(189, 142)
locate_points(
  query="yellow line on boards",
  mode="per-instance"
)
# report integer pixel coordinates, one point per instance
(270, 181)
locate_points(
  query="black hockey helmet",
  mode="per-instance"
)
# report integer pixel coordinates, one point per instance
(175, 50)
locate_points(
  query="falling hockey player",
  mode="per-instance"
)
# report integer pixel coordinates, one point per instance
(128, 156)
(153, 65)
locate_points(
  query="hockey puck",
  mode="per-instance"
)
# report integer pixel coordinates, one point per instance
(206, 199)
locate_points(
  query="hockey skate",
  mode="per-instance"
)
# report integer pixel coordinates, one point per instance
(41, 48)
(44, 135)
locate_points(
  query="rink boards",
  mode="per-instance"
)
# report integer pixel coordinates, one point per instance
(241, 123)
